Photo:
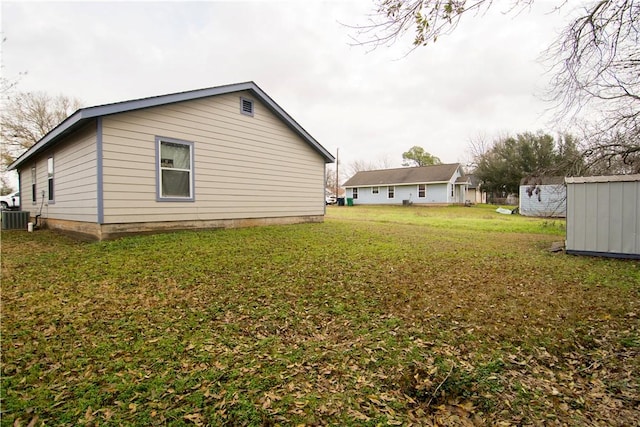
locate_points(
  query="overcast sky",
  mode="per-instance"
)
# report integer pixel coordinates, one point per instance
(485, 79)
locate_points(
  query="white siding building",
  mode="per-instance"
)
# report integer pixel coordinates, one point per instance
(543, 197)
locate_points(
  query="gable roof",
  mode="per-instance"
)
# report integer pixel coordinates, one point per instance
(474, 181)
(400, 176)
(83, 115)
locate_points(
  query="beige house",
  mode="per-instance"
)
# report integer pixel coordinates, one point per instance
(225, 156)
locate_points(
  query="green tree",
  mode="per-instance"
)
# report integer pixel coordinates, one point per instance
(510, 159)
(417, 156)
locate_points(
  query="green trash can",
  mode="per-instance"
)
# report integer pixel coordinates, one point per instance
(349, 201)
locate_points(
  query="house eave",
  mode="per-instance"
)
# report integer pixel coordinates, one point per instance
(67, 126)
(83, 115)
(395, 184)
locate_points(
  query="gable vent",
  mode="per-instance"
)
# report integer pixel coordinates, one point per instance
(246, 106)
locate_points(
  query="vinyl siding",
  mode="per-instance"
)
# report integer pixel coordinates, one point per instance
(244, 167)
(75, 179)
(436, 193)
(550, 202)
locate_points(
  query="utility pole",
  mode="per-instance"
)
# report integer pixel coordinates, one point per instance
(337, 163)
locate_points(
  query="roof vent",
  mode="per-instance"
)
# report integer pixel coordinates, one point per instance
(246, 106)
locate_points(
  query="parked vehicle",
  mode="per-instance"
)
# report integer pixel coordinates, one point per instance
(10, 201)
(330, 200)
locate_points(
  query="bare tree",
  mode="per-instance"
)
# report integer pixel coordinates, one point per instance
(429, 19)
(595, 64)
(383, 162)
(27, 117)
(330, 178)
(5, 186)
(614, 153)
(6, 83)
(596, 70)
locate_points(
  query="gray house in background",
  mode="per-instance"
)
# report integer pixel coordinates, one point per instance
(544, 196)
(603, 216)
(225, 156)
(438, 184)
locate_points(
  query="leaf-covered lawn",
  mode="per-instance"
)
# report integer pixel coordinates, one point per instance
(379, 316)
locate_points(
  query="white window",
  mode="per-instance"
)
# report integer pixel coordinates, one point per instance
(355, 193)
(50, 178)
(391, 193)
(422, 190)
(375, 190)
(175, 169)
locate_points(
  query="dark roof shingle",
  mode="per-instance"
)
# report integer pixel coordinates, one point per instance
(399, 176)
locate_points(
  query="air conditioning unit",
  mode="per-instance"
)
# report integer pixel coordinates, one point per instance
(15, 220)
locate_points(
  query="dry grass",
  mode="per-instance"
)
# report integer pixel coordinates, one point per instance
(387, 316)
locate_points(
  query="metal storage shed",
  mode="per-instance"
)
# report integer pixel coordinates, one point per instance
(603, 216)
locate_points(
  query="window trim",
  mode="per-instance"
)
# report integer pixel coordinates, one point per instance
(354, 193)
(192, 187)
(375, 190)
(51, 170)
(424, 195)
(251, 102)
(391, 192)
(34, 187)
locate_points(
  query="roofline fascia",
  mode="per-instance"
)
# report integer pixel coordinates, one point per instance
(138, 104)
(294, 125)
(404, 183)
(601, 179)
(66, 124)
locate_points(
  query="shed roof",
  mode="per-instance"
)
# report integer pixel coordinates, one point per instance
(609, 178)
(83, 115)
(399, 176)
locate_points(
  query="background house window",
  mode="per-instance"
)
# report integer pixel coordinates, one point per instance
(391, 192)
(375, 190)
(422, 190)
(246, 106)
(355, 193)
(34, 194)
(175, 168)
(50, 178)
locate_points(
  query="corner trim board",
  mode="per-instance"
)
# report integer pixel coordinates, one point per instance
(99, 171)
